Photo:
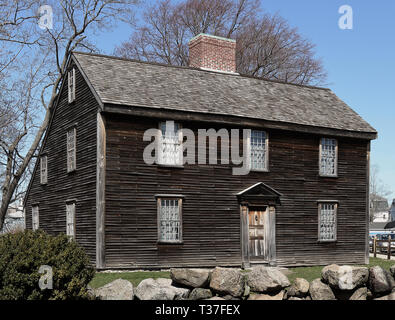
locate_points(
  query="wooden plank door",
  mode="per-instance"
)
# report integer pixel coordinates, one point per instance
(256, 232)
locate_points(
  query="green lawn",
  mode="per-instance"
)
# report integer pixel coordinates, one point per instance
(308, 273)
(311, 273)
(135, 278)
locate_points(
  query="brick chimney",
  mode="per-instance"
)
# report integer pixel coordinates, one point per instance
(213, 53)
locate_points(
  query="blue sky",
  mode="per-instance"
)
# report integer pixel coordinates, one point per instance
(360, 62)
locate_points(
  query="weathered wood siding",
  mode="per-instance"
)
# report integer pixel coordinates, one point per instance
(80, 184)
(211, 212)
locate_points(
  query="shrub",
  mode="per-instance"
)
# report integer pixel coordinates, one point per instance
(22, 254)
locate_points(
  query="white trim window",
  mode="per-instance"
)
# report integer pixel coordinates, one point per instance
(328, 157)
(44, 169)
(71, 149)
(327, 222)
(71, 85)
(169, 220)
(259, 146)
(170, 144)
(35, 217)
(70, 219)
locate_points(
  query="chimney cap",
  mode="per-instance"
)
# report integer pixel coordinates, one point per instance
(211, 36)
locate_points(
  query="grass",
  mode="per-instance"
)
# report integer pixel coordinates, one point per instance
(308, 273)
(311, 273)
(135, 278)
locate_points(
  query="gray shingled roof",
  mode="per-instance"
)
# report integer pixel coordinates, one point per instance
(135, 83)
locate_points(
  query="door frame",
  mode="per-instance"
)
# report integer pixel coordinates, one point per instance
(255, 196)
(269, 238)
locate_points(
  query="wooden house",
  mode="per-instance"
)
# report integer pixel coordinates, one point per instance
(304, 200)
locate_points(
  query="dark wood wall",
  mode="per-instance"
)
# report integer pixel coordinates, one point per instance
(211, 213)
(79, 185)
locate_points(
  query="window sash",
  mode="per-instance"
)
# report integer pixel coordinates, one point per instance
(169, 220)
(327, 222)
(328, 157)
(44, 169)
(170, 145)
(258, 145)
(71, 150)
(70, 219)
(71, 85)
(35, 218)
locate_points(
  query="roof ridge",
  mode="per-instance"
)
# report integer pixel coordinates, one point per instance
(198, 69)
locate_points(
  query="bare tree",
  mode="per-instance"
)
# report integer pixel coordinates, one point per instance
(162, 39)
(267, 46)
(39, 58)
(378, 191)
(18, 106)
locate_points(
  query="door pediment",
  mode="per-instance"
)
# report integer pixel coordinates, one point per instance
(259, 194)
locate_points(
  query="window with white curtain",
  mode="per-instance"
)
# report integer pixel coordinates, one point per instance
(328, 157)
(169, 220)
(35, 217)
(71, 149)
(43, 169)
(71, 85)
(170, 144)
(259, 150)
(70, 219)
(327, 228)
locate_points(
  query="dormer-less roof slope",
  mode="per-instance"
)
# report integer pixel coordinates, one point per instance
(140, 84)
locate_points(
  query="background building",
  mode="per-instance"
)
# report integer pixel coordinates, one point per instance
(379, 210)
(14, 219)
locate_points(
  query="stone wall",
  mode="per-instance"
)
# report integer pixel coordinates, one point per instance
(258, 283)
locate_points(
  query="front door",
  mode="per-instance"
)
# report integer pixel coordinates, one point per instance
(258, 224)
(256, 234)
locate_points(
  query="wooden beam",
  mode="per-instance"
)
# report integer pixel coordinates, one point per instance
(244, 236)
(367, 203)
(178, 115)
(100, 191)
(270, 235)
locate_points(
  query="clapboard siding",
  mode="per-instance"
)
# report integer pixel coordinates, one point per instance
(211, 213)
(79, 185)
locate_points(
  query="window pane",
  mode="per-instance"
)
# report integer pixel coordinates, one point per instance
(44, 169)
(71, 85)
(328, 222)
(328, 157)
(35, 218)
(70, 216)
(71, 151)
(169, 220)
(258, 150)
(171, 148)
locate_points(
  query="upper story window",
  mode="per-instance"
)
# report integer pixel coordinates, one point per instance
(71, 85)
(328, 157)
(71, 149)
(169, 219)
(43, 169)
(327, 221)
(259, 150)
(35, 217)
(70, 219)
(170, 144)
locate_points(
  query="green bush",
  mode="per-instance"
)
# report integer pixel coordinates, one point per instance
(22, 254)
